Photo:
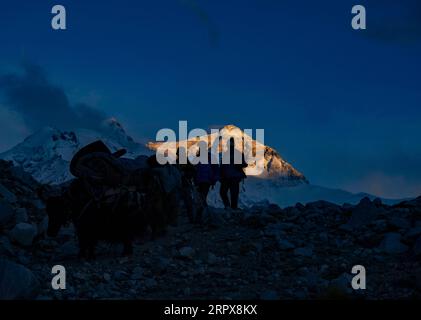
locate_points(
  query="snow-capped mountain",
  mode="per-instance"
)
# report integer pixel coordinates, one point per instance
(279, 182)
(276, 169)
(47, 153)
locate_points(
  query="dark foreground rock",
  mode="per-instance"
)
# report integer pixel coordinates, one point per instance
(16, 281)
(259, 253)
(263, 252)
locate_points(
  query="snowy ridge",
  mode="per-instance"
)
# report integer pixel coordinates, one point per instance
(280, 182)
(275, 167)
(47, 153)
(263, 191)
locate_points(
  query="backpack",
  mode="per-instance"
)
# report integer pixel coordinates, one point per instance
(96, 163)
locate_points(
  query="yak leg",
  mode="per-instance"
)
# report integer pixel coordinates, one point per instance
(83, 245)
(87, 251)
(91, 251)
(86, 247)
(82, 252)
(127, 247)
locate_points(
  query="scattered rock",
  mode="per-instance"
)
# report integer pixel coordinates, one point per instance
(399, 223)
(412, 234)
(377, 202)
(343, 283)
(6, 213)
(214, 217)
(362, 214)
(269, 295)
(21, 215)
(6, 247)
(305, 252)
(266, 252)
(186, 252)
(137, 273)
(162, 264)
(212, 259)
(69, 249)
(42, 226)
(274, 209)
(120, 275)
(23, 233)
(150, 283)
(6, 194)
(38, 204)
(392, 244)
(16, 281)
(285, 245)
(417, 247)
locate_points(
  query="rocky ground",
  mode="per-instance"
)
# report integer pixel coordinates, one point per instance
(264, 252)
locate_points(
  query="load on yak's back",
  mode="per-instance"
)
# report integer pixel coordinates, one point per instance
(116, 199)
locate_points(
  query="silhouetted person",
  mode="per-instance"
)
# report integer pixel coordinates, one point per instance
(231, 176)
(207, 174)
(187, 175)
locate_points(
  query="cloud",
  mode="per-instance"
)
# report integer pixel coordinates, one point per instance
(12, 127)
(205, 19)
(387, 186)
(41, 103)
(394, 21)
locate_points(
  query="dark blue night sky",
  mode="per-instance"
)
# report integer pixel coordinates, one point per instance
(343, 106)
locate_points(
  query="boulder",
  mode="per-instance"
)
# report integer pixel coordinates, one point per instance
(16, 281)
(21, 215)
(42, 226)
(137, 273)
(392, 244)
(322, 205)
(23, 234)
(6, 213)
(399, 223)
(37, 203)
(285, 244)
(305, 252)
(365, 202)
(362, 214)
(213, 216)
(150, 283)
(274, 209)
(275, 230)
(212, 259)
(380, 226)
(186, 252)
(417, 247)
(6, 194)
(269, 295)
(418, 280)
(377, 202)
(162, 264)
(68, 249)
(6, 247)
(300, 206)
(342, 283)
(19, 174)
(120, 275)
(412, 234)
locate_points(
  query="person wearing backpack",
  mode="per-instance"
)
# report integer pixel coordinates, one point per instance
(231, 176)
(207, 175)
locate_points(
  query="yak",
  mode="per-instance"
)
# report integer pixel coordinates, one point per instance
(116, 215)
(114, 198)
